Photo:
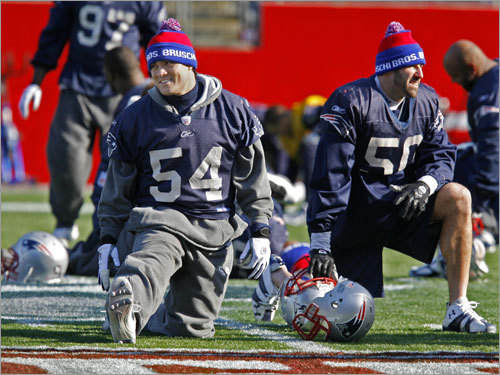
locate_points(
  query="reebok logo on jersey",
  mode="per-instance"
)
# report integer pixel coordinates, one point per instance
(187, 133)
(338, 109)
(111, 142)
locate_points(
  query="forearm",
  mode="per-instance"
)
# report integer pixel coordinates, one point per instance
(39, 75)
(253, 192)
(116, 199)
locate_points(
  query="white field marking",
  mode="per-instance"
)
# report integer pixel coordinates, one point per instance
(43, 322)
(392, 287)
(419, 368)
(80, 366)
(437, 327)
(38, 207)
(344, 354)
(237, 300)
(56, 288)
(295, 343)
(137, 366)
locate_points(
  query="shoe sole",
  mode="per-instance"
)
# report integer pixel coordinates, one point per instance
(489, 329)
(120, 306)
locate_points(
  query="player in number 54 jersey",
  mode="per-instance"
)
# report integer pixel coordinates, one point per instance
(180, 157)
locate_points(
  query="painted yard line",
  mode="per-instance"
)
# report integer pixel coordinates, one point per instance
(38, 207)
(458, 355)
(252, 329)
(140, 362)
(46, 321)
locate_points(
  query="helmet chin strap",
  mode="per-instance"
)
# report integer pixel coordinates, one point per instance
(28, 275)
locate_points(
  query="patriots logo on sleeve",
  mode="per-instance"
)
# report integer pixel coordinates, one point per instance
(338, 123)
(438, 122)
(111, 141)
(258, 128)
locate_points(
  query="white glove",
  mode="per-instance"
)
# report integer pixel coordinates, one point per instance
(105, 251)
(258, 259)
(33, 93)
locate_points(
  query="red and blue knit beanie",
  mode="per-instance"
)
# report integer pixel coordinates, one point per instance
(397, 50)
(171, 44)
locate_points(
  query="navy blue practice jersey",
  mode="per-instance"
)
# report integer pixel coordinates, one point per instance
(185, 167)
(131, 96)
(364, 148)
(482, 110)
(92, 28)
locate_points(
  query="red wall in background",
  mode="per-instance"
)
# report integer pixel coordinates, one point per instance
(306, 48)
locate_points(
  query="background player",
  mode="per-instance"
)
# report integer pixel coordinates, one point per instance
(86, 101)
(124, 74)
(382, 178)
(477, 161)
(179, 158)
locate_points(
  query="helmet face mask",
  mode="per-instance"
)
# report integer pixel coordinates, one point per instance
(35, 257)
(310, 324)
(299, 292)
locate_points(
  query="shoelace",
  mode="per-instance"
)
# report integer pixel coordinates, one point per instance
(468, 308)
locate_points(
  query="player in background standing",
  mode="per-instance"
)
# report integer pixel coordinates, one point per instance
(477, 161)
(311, 110)
(86, 100)
(123, 72)
(382, 178)
(179, 158)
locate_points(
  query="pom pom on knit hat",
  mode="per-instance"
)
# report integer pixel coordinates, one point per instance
(171, 44)
(397, 49)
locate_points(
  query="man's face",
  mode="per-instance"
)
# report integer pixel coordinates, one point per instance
(109, 78)
(460, 74)
(407, 80)
(172, 78)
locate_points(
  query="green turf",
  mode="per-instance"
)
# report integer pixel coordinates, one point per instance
(406, 319)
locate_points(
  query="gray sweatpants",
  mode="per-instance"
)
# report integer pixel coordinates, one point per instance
(178, 286)
(69, 149)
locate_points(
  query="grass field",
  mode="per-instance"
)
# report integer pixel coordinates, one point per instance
(68, 316)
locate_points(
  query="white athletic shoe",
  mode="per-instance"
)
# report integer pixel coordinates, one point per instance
(67, 234)
(478, 266)
(461, 317)
(265, 298)
(121, 311)
(489, 241)
(437, 268)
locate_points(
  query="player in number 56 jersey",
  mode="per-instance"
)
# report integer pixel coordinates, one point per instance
(382, 178)
(179, 159)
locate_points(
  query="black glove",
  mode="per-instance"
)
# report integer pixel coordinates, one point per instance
(322, 264)
(413, 197)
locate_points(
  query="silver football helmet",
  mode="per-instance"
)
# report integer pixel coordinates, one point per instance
(300, 291)
(345, 313)
(35, 257)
